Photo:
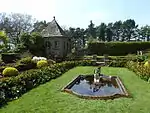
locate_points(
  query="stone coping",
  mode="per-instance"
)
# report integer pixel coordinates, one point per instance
(113, 96)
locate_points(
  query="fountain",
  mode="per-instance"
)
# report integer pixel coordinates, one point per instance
(97, 75)
(97, 86)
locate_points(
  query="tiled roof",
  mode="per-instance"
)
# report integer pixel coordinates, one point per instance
(53, 29)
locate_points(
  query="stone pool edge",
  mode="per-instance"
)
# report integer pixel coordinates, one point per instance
(114, 96)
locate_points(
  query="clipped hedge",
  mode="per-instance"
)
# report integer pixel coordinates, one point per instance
(116, 48)
(118, 63)
(13, 87)
(10, 57)
(24, 67)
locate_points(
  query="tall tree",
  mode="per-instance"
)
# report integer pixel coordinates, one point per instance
(78, 36)
(91, 30)
(15, 24)
(33, 42)
(38, 26)
(101, 30)
(145, 32)
(117, 28)
(109, 32)
(129, 28)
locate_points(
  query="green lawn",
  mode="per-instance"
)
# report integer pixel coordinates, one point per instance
(48, 98)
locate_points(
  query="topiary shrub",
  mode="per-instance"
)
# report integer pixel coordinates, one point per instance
(42, 63)
(10, 71)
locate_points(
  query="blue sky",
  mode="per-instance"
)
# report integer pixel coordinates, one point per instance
(78, 13)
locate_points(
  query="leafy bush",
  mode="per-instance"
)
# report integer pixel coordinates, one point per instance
(117, 48)
(139, 68)
(20, 48)
(27, 60)
(25, 64)
(42, 63)
(142, 58)
(33, 42)
(10, 71)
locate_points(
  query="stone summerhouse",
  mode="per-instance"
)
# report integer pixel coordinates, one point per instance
(57, 43)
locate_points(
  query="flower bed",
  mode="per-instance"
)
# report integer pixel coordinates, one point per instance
(23, 64)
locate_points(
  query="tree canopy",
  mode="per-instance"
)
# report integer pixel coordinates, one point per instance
(24, 30)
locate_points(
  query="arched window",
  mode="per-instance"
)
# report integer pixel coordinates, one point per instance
(48, 44)
(56, 44)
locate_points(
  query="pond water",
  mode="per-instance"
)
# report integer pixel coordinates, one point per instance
(86, 86)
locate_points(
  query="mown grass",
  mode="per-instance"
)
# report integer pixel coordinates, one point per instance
(48, 98)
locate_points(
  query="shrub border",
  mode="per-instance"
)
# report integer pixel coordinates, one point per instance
(13, 87)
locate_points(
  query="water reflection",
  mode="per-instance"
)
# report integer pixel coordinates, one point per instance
(86, 85)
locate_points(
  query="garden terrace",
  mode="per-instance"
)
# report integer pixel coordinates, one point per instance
(48, 97)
